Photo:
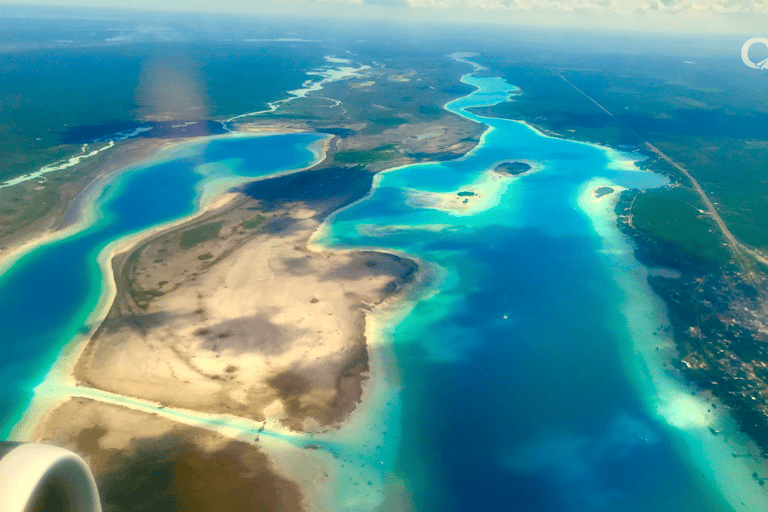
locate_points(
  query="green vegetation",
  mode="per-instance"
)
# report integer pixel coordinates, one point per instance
(603, 191)
(142, 298)
(367, 156)
(735, 177)
(464, 193)
(703, 117)
(389, 122)
(512, 168)
(431, 110)
(199, 234)
(254, 222)
(48, 91)
(205, 256)
(52, 100)
(672, 215)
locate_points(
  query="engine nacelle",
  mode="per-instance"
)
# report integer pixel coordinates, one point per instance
(43, 478)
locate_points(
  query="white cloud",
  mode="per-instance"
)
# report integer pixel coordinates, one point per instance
(744, 17)
(726, 7)
(613, 6)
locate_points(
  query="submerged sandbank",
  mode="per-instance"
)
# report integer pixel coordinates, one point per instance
(706, 434)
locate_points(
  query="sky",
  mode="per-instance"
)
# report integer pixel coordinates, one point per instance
(748, 17)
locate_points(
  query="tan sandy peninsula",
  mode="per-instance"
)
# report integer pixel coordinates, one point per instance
(228, 312)
(272, 126)
(232, 313)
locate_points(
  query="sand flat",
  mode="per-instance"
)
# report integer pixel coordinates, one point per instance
(248, 321)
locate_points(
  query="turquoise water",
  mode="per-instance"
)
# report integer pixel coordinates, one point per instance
(515, 378)
(47, 296)
(520, 387)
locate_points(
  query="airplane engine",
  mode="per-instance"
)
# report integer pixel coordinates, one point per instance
(43, 478)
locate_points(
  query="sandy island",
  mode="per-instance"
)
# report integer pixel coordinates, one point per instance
(481, 195)
(247, 321)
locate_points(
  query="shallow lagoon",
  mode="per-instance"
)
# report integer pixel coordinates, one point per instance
(522, 376)
(49, 295)
(529, 380)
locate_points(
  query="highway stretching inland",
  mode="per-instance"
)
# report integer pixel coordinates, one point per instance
(737, 248)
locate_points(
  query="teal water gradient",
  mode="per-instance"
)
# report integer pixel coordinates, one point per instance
(47, 296)
(515, 378)
(521, 387)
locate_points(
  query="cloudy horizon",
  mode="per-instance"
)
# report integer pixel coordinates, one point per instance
(682, 16)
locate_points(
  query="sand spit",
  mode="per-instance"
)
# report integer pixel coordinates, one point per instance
(708, 434)
(271, 126)
(69, 216)
(481, 195)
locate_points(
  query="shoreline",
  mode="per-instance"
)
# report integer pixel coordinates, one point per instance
(70, 353)
(60, 385)
(708, 435)
(327, 73)
(377, 324)
(74, 217)
(679, 412)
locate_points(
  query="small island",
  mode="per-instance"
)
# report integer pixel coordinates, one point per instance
(512, 168)
(460, 201)
(603, 191)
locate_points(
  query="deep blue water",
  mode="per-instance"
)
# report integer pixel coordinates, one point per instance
(47, 296)
(536, 412)
(515, 391)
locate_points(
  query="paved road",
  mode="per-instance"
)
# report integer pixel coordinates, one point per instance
(738, 248)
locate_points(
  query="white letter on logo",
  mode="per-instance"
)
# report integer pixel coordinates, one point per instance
(763, 64)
